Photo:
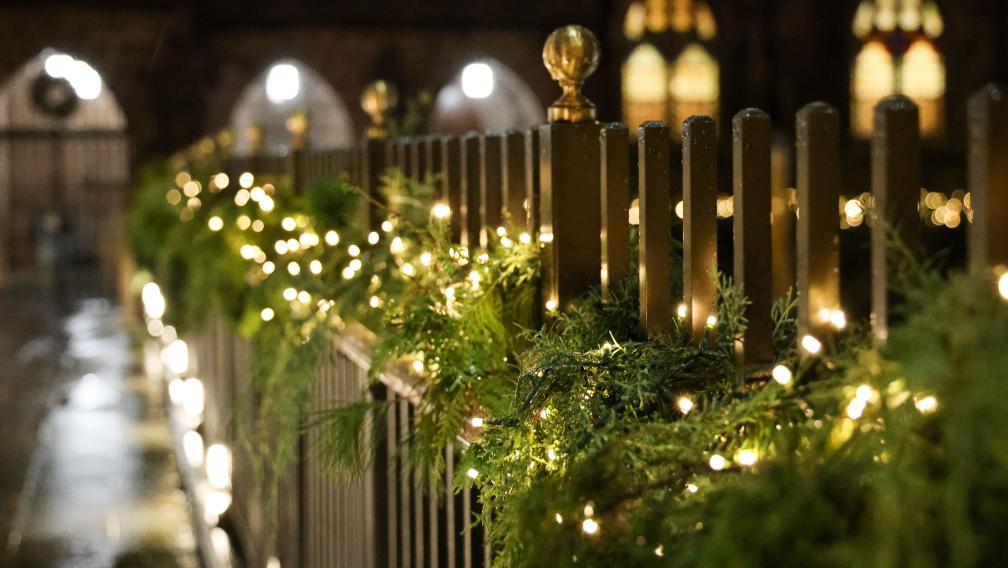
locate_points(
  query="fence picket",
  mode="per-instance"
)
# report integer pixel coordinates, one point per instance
(988, 177)
(451, 174)
(699, 175)
(653, 140)
(490, 184)
(818, 276)
(469, 207)
(615, 203)
(752, 237)
(532, 197)
(895, 174)
(513, 180)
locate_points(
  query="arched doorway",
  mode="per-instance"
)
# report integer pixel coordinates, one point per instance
(288, 87)
(486, 96)
(64, 170)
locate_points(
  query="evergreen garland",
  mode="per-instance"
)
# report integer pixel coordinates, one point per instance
(591, 443)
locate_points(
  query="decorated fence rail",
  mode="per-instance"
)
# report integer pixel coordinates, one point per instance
(570, 184)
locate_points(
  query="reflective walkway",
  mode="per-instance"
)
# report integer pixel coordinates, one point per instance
(100, 486)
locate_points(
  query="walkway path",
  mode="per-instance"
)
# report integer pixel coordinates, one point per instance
(101, 487)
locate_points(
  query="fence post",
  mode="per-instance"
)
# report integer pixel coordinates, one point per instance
(469, 206)
(569, 172)
(818, 263)
(490, 184)
(615, 183)
(699, 163)
(895, 164)
(752, 234)
(377, 100)
(655, 206)
(783, 224)
(514, 190)
(988, 177)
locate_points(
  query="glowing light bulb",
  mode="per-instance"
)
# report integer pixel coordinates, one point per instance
(304, 297)
(684, 404)
(551, 454)
(218, 466)
(418, 366)
(1003, 285)
(192, 444)
(838, 319)
(441, 211)
(425, 258)
(242, 197)
(288, 224)
(243, 222)
(811, 345)
(266, 204)
(525, 238)
(397, 246)
(782, 375)
(746, 458)
(477, 80)
(355, 264)
(927, 404)
(408, 269)
(551, 305)
(289, 294)
(476, 421)
(717, 462)
(332, 238)
(283, 83)
(374, 301)
(257, 193)
(472, 473)
(692, 487)
(293, 268)
(315, 267)
(711, 320)
(246, 179)
(681, 311)
(559, 518)
(353, 250)
(215, 223)
(373, 237)
(268, 267)
(386, 226)
(590, 526)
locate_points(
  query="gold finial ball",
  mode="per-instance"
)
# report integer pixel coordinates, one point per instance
(571, 54)
(378, 98)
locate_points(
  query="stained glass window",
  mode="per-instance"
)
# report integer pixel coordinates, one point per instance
(670, 73)
(898, 56)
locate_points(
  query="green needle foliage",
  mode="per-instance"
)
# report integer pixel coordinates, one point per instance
(596, 445)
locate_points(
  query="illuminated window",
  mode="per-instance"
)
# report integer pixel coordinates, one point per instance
(694, 83)
(898, 56)
(678, 80)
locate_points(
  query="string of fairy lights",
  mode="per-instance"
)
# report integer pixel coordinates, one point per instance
(299, 252)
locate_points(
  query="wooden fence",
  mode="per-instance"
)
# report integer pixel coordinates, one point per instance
(570, 184)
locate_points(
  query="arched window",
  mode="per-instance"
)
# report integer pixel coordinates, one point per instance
(670, 73)
(486, 96)
(898, 56)
(64, 166)
(287, 88)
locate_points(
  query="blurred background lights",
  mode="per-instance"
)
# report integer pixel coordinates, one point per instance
(477, 80)
(283, 83)
(86, 82)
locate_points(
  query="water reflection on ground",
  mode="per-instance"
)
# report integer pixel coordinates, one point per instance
(98, 485)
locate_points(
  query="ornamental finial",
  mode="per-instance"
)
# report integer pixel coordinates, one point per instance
(377, 100)
(571, 54)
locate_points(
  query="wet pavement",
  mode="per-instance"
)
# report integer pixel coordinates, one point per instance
(88, 475)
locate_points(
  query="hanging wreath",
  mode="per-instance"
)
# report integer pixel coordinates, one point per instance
(53, 96)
